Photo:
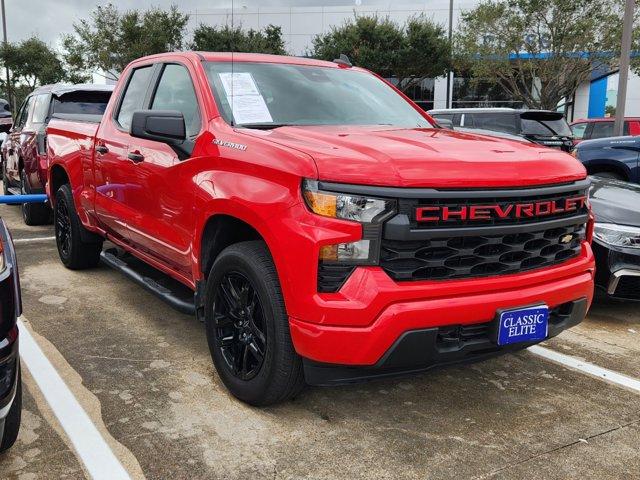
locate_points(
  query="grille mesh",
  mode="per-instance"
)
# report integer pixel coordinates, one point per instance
(479, 256)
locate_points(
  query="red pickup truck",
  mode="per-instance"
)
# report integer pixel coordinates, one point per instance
(328, 230)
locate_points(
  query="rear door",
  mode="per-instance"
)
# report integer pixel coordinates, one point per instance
(114, 173)
(164, 221)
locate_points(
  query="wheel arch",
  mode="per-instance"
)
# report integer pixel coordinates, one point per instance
(604, 165)
(58, 176)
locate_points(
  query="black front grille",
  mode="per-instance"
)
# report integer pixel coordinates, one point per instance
(479, 255)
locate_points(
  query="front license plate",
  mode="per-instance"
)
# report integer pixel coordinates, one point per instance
(523, 325)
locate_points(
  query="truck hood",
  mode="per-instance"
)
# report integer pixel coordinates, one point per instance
(424, 157)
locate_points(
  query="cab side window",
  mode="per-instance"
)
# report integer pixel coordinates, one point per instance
(579, 129)
(24, 112)
(175, 91)
(40, 109)
(133, 97)
(602, 130)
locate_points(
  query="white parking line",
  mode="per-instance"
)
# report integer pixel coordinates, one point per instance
(588, 368)
(36, 239)
(98, 459)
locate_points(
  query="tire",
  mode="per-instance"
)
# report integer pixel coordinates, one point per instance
(33, 213)
(76, 253)
(12, 421)
(612, 175)
(279, 375)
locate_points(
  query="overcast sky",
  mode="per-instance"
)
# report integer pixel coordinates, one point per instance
(47, 19)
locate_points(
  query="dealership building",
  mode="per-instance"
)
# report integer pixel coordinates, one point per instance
(301, 24)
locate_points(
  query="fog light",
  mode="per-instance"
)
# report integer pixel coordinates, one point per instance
(345, 252)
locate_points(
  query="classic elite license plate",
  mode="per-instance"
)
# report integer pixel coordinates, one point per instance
(523, 325)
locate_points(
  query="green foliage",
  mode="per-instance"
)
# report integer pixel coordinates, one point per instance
(226, 39)
(411, 52)
(553, 45)
(32, 62)
(110, 39)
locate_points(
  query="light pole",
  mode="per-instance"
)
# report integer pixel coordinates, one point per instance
(450, 72)
(625, 59)
(6, 67)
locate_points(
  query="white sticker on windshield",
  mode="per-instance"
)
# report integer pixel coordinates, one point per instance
(246, 102)
(239, 84)
(250, 109)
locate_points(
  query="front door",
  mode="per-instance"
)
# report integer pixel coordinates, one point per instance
(115, 174)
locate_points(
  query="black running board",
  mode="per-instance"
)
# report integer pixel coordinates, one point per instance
(139, 273)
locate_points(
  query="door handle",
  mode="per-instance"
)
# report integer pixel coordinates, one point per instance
(135, 157)
(102, 149)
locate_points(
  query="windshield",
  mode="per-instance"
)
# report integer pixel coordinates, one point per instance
(545, 127)
(266, 95)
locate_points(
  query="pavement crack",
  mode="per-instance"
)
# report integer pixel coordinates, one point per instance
(556, 449)
(123, 359)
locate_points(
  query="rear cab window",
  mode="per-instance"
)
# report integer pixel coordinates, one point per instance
(602, 130)
(81, 102)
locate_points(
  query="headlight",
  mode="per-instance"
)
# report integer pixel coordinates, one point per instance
(346, 206)
(617, 235)
(368, 211)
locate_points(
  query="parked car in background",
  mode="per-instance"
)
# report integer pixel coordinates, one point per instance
(10, 310)
(24, 151)
(616, 238)
(544, 127)
(6, 119)
(593, 128)
(614, 157)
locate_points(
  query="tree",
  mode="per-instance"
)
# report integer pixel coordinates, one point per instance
(32, 63)
(110, 39)
(411, 52)
(539, 51)
(208, 38)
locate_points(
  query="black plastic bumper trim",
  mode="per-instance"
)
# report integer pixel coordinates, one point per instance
(418, 350)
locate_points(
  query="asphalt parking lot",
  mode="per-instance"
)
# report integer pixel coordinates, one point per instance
(143, 374)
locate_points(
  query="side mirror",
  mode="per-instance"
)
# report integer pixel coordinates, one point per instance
(445, 123)
(165, 126)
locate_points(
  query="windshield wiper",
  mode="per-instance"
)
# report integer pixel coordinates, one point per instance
(264, 126)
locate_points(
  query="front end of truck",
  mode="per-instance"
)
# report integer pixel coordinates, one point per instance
(391, 280)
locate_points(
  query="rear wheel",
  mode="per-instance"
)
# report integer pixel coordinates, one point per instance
(12, 421)
(248, 327)
(33, 213)
(75, 252)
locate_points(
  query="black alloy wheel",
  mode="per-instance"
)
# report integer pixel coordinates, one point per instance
(63, 228)
(240, 325)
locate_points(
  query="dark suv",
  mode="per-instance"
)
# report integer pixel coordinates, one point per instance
(24, 151)
(544, 127)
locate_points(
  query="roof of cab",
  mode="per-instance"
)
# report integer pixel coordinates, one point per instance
(60, 89)
(246, 57)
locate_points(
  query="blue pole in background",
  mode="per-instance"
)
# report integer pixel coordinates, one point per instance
(20, 199)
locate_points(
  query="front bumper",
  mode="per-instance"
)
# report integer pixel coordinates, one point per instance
(420, 311)
(618, 271)
(420, 350)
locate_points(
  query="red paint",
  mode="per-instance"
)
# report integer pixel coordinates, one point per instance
(158, 209)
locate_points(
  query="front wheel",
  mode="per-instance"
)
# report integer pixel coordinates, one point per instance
(248, 327)
(75, 252)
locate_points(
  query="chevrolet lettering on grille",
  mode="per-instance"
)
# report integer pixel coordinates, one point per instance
(438, 213)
